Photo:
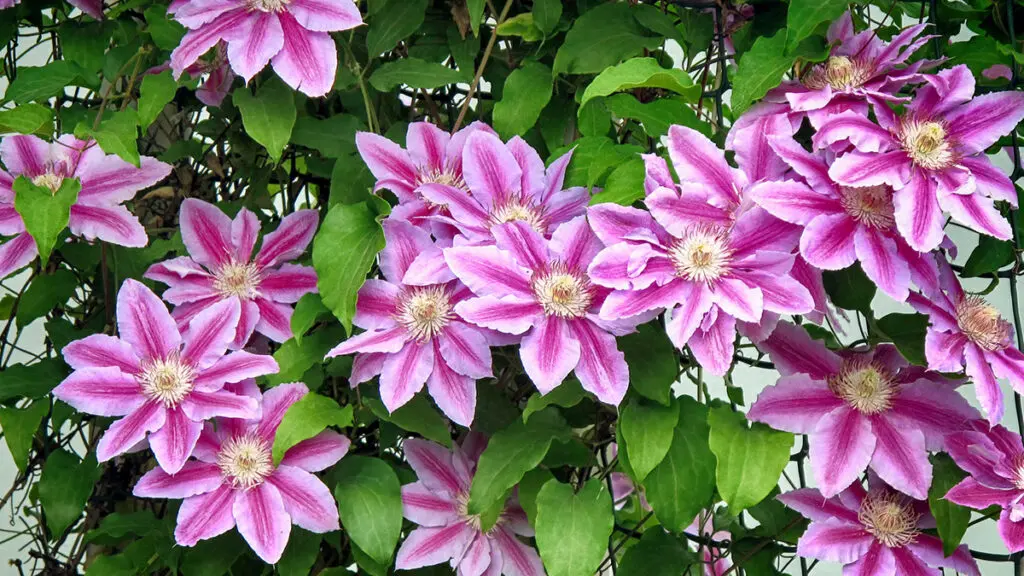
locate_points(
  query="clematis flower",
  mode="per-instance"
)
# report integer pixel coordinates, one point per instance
(106, 183)
(932, 156)
(873, 533)
(715, 563)
(994, 458)
(698, 254)
(292, 35)
(164, 383)
(221, 266)
(415, 334)
(216, 74)
(233, 480)
(527, 285)
(438, 501)
(859, 410)
(967, 333)
(844, 224)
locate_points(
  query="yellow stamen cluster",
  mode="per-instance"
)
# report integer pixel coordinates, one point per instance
(926, 144)
(866, 386)
(839, 73)
(240, 279)
(981, 323)
(703, 255)
(245, 460)
(563, 292)
(167, 381)
(890, 518)
(871, 206)
(425, 311)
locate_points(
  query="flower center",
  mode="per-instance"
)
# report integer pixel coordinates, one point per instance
(167, 380)
(926, 144)
(702, 256)
(267, 5)
(981, 323)
(871, 206)
(840, 72)
(425, 312)
(563, 292)
(238, 279)
(866, 386)
(1018, 472)
(245, 460)
(49, 180)
(518, 210)
(446, 176)
(889, 518)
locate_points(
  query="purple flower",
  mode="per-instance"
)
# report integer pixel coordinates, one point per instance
(221, 266)
(698, 254)
(994, 459)
(293, 35)
(873, 533)
(715, 563)
(217, 71)
(528, 285)
(415, 333)
(163, 382)
(448, 533)
(844, 224)
(233, 480)
(859, 409)
(106, 183)
(933, 156)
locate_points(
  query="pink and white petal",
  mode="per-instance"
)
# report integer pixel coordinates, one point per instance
(555, 175)
(17, 253)
(612, 223)
(549, 352)
(113, 224)
(489, 168)
(881, 263)
(172, 444)
(756, 231)
(835, 541)
(602, 368)
(565, 205)
(792, 350)
(288, 283)
(144, 322)
(276, 402)
(245, 231)
(385, 159)
(901, 457)
(908, 564)
(100, 350)
(204, 516)
(434, 466)
(868, 169)
(366, 367)
(24, 155)
(210, 333)
(206, 230)
(103, 391)
(796, 403)
(979, 123)
(110, 180)
(524, 243)
(627, 303)
(263, 521)
(325, 15)
(388, 340)
(289, 240)
(308, 61)
(857, 129)
(713, 348)
(678, 213)
(781, 294)
(306, 499)
(879, 561)
(812, 505)
(840, 449)
(193, 478)
(427, 507)
(828, 242)
(628, 266)
(317, 453)
(10, 220)
(986, 387)
(404, 243)
(682, 321)
(404, 374)
(738, 299)
(275, 320)
(125, 433)
(754, 155)
(532, 167)
(489, 271)
(945, 350)
(969, 492)
(428, 268)
(918, 215)
(430, 546)
(697, 159)
(518, 559)
(575, 243)
(1011, 532)
(427, 145)
(477, 559)
(990, 180)
(793, 202)
(933, 409)
(234, 367)
(930, 549)
(977, 212)
(454, 393)
(199, 405)
(465, 350)
(508, 314)
(465, 209)
(812, 167)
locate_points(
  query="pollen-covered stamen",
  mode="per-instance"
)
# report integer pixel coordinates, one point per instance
(1018, 472)
(563, 292)
(518, 210)
(981, 323)
(167, 380)
(245, 460)
(871, 206)
(267, 5)
(840, 73)
(425, 311)
(240, 279)
(50, 181)
(445, 176)
(703, 255)
(890, 518)
(926, 144)
(866, 386)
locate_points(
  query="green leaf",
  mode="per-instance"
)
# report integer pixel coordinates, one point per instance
(476, 14)
(653, 366)
(19, 426)
(40, 83)
(528, 488)
(907, 332)
(567, 394)
(573, 528)
(85, 43)
(417, 415)
(849, 288)
(683, 484)
(31, 381)
(760, 69)
(308, 310)
(396, 21)
(333, 137)
(527, 91)
(269, 116)
(295, 357)
(640, 73)
(300, 553)
(656, 116)
(625, 184)
(658, 553)
(165, 31)
(64, 488)
(307, 418)
(648, 429)
(343, 252)
(951, 519)
(414, 73)
(546, 14)
(213, 557)
(351, 182)
(662, 24)
(805, 15)
(119, 135)
(117, 526)
(603, 36)
(776, 520)
(370, 503)
(593, 157)
(154, 94)
(44, 294)
(510, 454)
(990, 256)
(44, 211)
(27, 119)
(750, 460)
(521, 25)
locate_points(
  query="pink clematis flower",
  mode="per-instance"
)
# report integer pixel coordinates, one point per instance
(867, 409)
(994, 458)
(447, 533)
(415, 333)
(932, 156)
(967, 333)
(221, 266)
(216, 75)
(106, 183)
(715, 563)
(873, 533)
(527, 285)
(843, 224)
(293, 35)
(163, 382)
(698, 253)
(233, 480)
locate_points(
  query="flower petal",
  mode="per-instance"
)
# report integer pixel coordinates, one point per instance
(306, 499)
(103, 391)
(549, 352)
(840, 449)
(234, 367)
(173, 442)
(867, 169)
(385, 159)
(793, 202)
(388, 340)
(199, 405)
(489, 271)
(979, 123)
(627, 303)
(288, 283)
(713, 348)
(812, 505)
(918, 215)
(427, 507)
(796, 403)
(430, 546)
(24, 155)
(828, 242)
(1011, 532)
(697, 159)
(114, 224)
(683, 320)
(879, 561)
(508, 314)
(275, 320)
(978, 213)
(210, 333)
(434, 466)
(900, 458)
(454, 393)
(17, 253)
(490, 170)
(465, 350)
(879, 259)
(193, 478)
(111, 180)
(404, 374)
(518, 559)
(969, 492)
(206, 230)
(527, 246)
(602, 368)
(317, 453)
(835, 541)
(130, 430)
(263, 521)
(99, 351)
(276, 402)
(204, 516)
(308, 61)
(325, 15)
(986, 387)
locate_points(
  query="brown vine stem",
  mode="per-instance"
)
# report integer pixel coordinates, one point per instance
(480, 69)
